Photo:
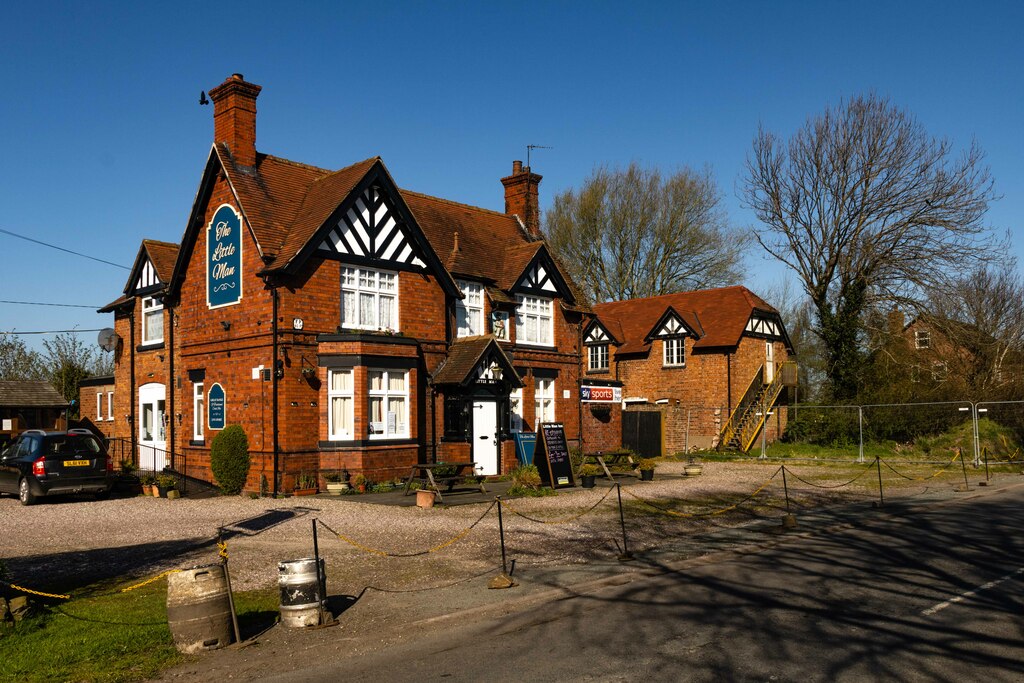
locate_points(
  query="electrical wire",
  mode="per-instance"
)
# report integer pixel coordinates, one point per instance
(17, 333)
(40, 303)
(54, 246)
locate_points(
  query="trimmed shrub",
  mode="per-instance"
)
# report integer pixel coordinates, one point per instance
(229, 459)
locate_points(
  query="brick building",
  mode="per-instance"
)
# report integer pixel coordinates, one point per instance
(709, 362)
(341, 321)
(96, 404)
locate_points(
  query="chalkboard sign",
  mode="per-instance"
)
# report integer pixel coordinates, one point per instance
(552, 456)
(526, 443)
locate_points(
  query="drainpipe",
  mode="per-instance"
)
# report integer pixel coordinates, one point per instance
(170, 381)
(579, 379)
(133, 399)
(273, 374)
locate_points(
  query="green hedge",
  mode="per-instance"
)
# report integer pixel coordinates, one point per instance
(229, 459)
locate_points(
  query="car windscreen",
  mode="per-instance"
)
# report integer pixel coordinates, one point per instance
(67, 444)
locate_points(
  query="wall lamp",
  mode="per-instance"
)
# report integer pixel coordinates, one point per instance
(225, 324)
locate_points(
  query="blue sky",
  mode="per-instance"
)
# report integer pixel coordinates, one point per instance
(104, 139)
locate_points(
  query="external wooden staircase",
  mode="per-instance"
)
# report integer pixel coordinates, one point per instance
(748, 418)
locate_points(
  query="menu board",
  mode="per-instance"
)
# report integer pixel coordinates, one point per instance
(552, 456)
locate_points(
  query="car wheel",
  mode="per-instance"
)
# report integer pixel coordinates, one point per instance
(25, 494)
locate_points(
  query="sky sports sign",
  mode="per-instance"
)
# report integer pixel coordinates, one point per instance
(224, 258)
(590, 394)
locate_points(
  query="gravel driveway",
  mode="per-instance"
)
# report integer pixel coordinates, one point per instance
(74, 542)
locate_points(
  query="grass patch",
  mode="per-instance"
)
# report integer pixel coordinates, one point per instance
(110, 637)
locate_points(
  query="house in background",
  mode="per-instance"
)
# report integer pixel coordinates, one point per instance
(96, 404)
(343, 322)
(705, 366)
(30, 405)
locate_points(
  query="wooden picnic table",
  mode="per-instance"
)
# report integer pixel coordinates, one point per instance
(425, 473)
(605, 458)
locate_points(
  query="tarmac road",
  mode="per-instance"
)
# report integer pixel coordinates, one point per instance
(912, 593)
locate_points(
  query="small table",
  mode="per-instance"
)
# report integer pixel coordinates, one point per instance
(424, 472)
(605, 458)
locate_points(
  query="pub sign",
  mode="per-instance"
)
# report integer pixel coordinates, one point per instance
(224, 258)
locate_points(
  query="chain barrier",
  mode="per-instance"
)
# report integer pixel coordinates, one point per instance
(713, 513)
(867, 468)
(1012, 458)
(32, 592)
(931, 476)
(563, 520)
(383, 553)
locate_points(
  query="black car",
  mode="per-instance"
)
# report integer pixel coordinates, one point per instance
(42, 463)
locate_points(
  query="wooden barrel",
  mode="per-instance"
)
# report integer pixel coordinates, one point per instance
(198, 609)
(301, 601)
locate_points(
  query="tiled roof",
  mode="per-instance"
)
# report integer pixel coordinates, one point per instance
(287, 202)
(463, 357)
(29, 394)
(719, 315)
(122, 300)
(162, 255)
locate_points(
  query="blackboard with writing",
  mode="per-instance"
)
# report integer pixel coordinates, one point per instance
(552, 456)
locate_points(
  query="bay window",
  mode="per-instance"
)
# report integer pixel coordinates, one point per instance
(341, 405)
(389, 404)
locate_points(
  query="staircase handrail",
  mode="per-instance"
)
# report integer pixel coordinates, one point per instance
(729, 430)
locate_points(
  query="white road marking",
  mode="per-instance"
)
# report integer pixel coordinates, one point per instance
(960, 598)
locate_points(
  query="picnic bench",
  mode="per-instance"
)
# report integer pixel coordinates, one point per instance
(606, 458)
(450, 474)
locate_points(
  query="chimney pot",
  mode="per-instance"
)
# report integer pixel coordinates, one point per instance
(517, 167)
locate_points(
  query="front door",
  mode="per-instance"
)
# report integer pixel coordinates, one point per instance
(152, 431)
(769, 362)
(485, 436)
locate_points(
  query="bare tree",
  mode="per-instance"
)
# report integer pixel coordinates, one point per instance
(866, 207)
(630, 233)
(17, 361)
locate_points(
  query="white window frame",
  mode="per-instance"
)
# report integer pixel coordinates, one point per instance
(99, 406)
(378, 285)
(337, 432)
(922, 339)
(198, 412)
(470, 309)
(537, 310)
(598, 353)
(515, 411)
(110, 405)
(674, 352)
(386, 395)
(151, 308)
(543, 400)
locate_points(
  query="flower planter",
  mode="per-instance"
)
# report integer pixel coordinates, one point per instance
(173, 494)
(305, 492)
(692, 470)
(335, 488)
(425, 499)
(587, 481)
(162, 491)
(646, 475)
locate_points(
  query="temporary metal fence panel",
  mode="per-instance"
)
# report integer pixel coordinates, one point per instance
(931, 431)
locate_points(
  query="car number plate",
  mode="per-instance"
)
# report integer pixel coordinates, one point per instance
(76, 463)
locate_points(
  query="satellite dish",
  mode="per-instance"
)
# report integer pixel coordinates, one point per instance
(108, 339)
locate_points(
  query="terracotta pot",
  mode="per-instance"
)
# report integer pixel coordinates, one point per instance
(305, 492)
(425, 499)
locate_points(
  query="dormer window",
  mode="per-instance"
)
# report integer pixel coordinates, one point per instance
(152, 320)
(597, 357)
(469, 312)
(922, 339)
(534, 321)
(369, 299)
(674, 352)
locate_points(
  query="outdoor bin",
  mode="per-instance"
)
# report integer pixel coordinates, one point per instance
(198, 609)
(301, 601)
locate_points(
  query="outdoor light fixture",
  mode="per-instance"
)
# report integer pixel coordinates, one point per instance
(225, 324)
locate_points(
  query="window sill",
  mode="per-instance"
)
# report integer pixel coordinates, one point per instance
(365, 443)
(673, 367)
(197, 442)
(150, 346)
(601, 371)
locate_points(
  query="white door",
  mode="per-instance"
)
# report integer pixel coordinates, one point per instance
(152, 431)
(485, 436)
(769, 362)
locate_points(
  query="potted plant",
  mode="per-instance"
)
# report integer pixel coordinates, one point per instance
(692, 468)
(335, 484)
(305, 484)
(165, 483)
(149, 485)
(646, 467)
(359, 483)
(588, 474)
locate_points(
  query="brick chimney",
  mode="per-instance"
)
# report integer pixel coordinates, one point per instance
(234, 118)
(521, 197)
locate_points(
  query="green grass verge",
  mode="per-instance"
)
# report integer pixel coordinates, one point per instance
(112, 637)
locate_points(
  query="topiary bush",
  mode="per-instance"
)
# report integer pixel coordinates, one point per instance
(229, 459)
